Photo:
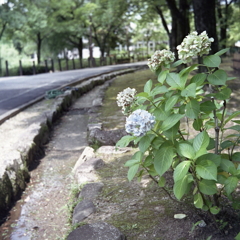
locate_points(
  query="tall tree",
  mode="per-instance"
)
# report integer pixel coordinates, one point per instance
(225, 16)
(205, 19)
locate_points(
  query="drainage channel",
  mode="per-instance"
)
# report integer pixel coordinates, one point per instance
(42, 212)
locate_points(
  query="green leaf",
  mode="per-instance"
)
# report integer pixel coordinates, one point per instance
(132, 171)
(174, 81)
(226, 144)
(200, 143)
(170, 121)
(159, 90)
(198, 200)
(186, 150)
(215, 158)
(124, 141)
(171, 102)
(197, 124)
(223, 94)
(162, 76)
(161, 181)
(235, 127)
(219, 53)
(212, 61)
(226, 165)
(215, 210)
(199, 78)
(172, 132)
(177, 63)
(236, 157)
(144, 143)
(163, 158)
(148, 86)
(207, 187)
(207, 169)
(207, 106)
(181, 170)
(233, 115)
(192, 109)
(217, 78)
(231, 184)
(189, 91)
(160, 113)
(237, 237)
(131, 162)
(180, 187)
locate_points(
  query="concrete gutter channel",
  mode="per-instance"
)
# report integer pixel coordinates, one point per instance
(18, 155)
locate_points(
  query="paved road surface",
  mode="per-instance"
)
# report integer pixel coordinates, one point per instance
(16, 92)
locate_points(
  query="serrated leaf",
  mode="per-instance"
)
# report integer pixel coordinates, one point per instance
(201, 142)
(233, 115)
(162, 76)
(189, 91)
(159, 90)
(226, 165)
(215, 158)
(207, 187)
(174, 81)
(164, 158)
(172, 132)
(199, 79)
(207, 169)
(212, 61)
(219, 53)
(235, 127)
(124, 141)
(197, 124)
(180, 187)
(161, 114)
(171, 102)
(192, 109)
(186, 150)
(236, 157)
(132, 171)
(223, 94)
(217, 78)
(231, 184)
(131, 162)
(177, 63)
(181, 170)
(144, 143)
(148, 86)
(207, 106)
(198, 200)
(170, 121)
(161, 181)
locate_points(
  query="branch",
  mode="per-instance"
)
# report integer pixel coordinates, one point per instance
(160, 13)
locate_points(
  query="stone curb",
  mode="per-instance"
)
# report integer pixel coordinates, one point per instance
(14, 173)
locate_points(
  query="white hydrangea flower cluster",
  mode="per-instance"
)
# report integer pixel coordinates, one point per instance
(126, 98)
(160, 58)
(194, 45)
(139, 122)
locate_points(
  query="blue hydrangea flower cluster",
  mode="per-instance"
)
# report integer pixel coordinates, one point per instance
(139, 122)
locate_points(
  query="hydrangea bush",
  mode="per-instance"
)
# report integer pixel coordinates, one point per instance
(181, 128)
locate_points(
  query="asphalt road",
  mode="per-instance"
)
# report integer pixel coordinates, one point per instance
(18, 92)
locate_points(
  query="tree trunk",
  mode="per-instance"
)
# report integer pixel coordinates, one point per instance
(205, 19)
(180, 22)
(80, 47)
(39, 43)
